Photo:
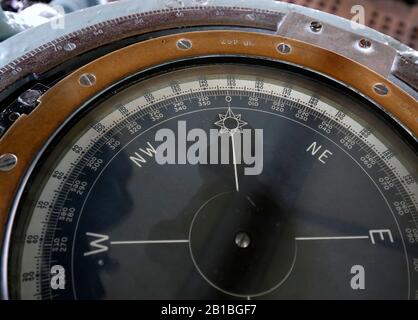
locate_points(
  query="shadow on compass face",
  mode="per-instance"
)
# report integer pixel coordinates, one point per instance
(108, 206)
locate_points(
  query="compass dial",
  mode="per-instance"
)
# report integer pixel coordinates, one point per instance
(221, 181)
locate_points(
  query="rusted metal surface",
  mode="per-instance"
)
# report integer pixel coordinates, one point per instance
(392, 17)
(377, 56)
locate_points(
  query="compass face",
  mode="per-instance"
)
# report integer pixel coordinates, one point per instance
(221, 181)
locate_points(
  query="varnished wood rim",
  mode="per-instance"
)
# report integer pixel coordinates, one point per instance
(30, 133)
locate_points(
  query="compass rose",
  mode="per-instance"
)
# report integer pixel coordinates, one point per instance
(230, 122)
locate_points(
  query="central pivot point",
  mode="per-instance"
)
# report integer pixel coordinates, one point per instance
(243, 243)
(242, 240)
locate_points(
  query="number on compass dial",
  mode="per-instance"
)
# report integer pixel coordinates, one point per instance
(222, 182)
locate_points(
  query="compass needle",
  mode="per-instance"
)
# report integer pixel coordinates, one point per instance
(235, 162)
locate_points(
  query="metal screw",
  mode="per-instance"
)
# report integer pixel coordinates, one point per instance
(14, 116)
(365, 43)
(242, 240)
(29, 97)
(7, 162)
(184, 44)
(381, 89)
(284, 48)
(316, 26)
(87, 79)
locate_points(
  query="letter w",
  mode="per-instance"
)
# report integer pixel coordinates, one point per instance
(97, 243)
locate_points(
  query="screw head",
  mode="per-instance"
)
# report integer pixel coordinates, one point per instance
(7, 162)
(316, 26)
(29, 97)
(242, 240)
(184, 44)
(87, 80)
(381, 89)
(365, 44)
(284, 48)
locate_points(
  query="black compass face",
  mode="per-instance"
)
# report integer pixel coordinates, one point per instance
(222, 182)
